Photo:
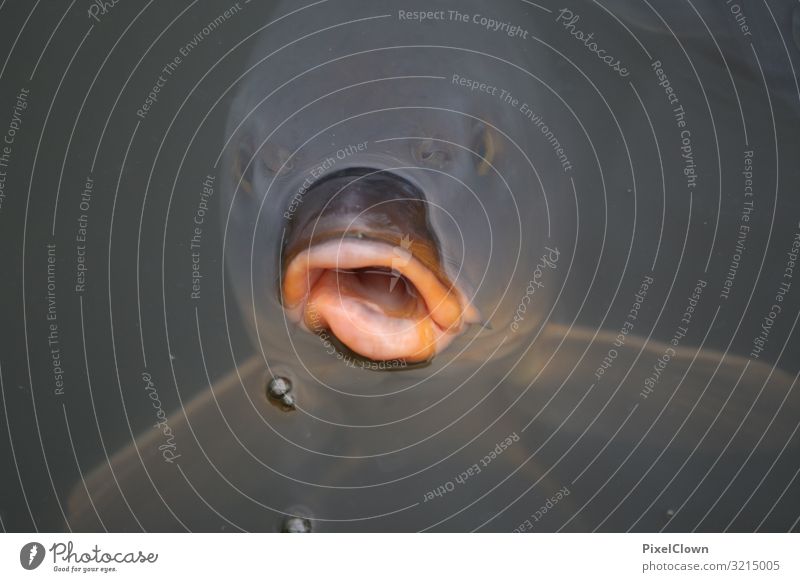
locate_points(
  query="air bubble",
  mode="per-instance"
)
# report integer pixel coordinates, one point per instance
(296, 525)
(279, 393)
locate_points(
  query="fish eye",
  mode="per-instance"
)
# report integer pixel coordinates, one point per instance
(276, 159)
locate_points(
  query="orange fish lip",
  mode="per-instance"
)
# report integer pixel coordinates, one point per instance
(379, 300)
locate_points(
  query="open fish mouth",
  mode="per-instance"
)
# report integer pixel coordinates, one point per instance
(362, 261)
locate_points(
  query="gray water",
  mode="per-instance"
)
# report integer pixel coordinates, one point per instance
(628, 231)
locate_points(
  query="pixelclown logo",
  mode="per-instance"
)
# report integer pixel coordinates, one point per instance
(31, 555)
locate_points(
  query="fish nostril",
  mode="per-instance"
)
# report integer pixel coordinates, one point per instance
(431, 153)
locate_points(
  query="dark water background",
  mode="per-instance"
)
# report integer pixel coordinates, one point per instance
(512, 427)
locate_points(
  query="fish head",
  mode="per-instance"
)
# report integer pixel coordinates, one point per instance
(381, 205)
